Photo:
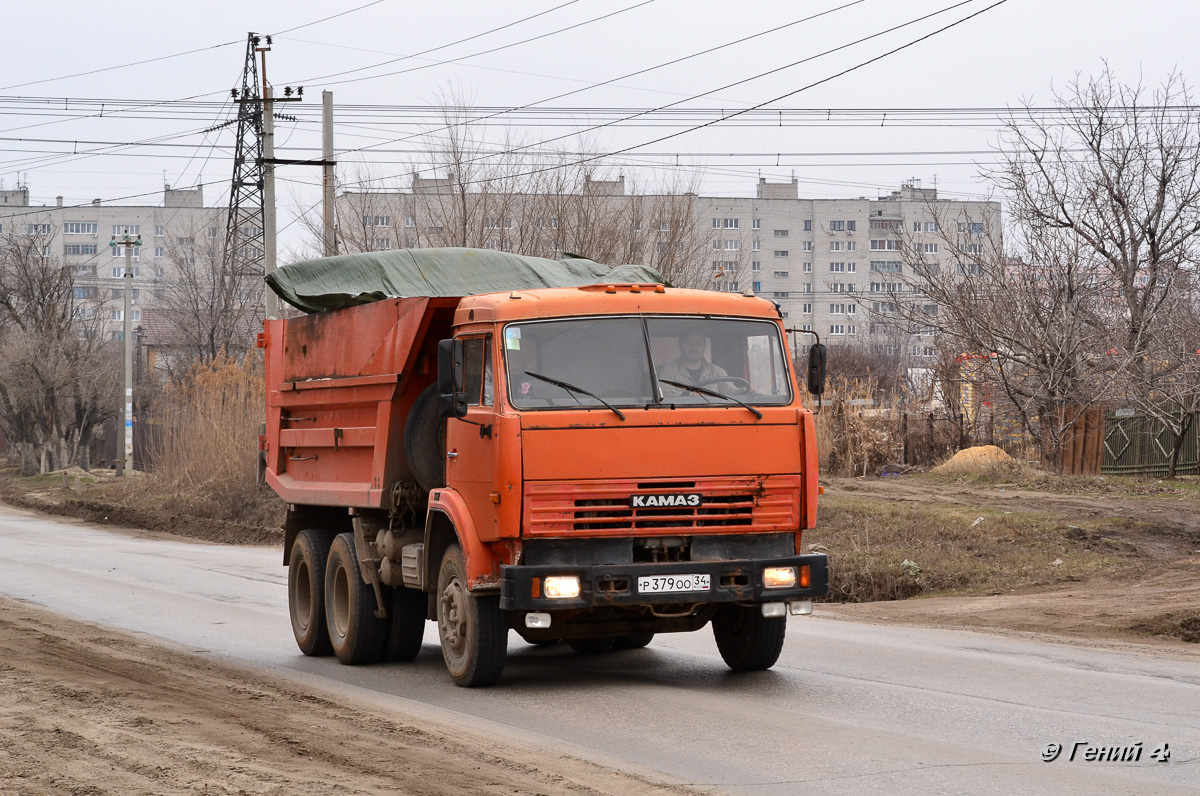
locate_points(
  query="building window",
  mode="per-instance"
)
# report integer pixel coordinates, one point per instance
(118, 315)
(663, 226)
(808, 246)
(185, 241)
(781, 274)
(780, 294)
(118, 272)
(80, 228)
(72, 249)
(806, 327)
(971, 248)
(757, 245)
(806, 309)
(756, 265)
(133, 230)
(808, 225)
(931, 226)
(973, 228)
(731, 223)
(756, 224)
(731, 245)
(836, 329)
(808, 268)
(970, 269)
(837, 226)
(837, 245)
(36, 229)
(84, 292)
(381, 244)
(916, 226)
(119, 251)
(884, 225)
(887, 266)
(159, 252)
(781, 233)
(931, 248)
(409, 222)
(837, 309)
(159, 231)
(86, 270)
(758, 287)
(885, 245)
(807, 288)
(159, 272)
(850, 226)
(781, 252)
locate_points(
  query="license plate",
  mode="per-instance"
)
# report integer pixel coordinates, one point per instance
(658, 584)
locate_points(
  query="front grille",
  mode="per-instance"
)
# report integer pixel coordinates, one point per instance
(602, 507)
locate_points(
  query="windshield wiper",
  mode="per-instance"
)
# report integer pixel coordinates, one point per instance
(573, 389)
(713, 393)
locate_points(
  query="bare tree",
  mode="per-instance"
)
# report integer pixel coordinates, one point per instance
(1169, 390)
(213, 303)
(57, 371)
(1117, 168)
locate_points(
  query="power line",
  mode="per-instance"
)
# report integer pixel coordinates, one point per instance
(311, 81)
(442, 46)
(740, 112)
(326, 19)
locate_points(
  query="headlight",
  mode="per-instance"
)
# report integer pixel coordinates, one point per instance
(561, 587)
(779, 577)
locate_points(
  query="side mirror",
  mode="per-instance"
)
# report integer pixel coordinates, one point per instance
(816, 369)
(450, 379)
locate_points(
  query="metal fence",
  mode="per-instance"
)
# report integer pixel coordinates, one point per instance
(1138, 445)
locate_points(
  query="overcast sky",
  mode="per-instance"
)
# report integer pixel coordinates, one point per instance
(1010, 53)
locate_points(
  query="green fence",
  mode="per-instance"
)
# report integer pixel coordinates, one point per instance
(1137, 445)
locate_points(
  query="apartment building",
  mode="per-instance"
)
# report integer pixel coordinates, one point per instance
(833, 265)
(181, 229)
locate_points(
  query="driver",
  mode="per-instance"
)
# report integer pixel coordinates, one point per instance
(691, 367)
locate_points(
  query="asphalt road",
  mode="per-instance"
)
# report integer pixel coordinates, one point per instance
(849, 708)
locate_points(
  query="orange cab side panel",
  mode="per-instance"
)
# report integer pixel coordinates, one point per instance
(483, 569)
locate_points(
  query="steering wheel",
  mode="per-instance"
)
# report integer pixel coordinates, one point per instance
(737, 381)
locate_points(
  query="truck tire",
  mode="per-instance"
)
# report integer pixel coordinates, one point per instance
(591, 646)
(425, 440)
(472, 628)
(747, 640)
(355, 633)
(405, 623)
(634, 641)
(306, 591)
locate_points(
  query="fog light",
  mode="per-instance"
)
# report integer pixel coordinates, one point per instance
(561, 587)
(779, 577)
(774, 609)
(537, 620)
(800, 607)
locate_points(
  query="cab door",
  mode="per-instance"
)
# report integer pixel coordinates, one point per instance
(470, 441)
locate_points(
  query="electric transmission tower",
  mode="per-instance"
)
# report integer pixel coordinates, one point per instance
(244, 234)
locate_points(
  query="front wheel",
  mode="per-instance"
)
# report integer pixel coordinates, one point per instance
(472, 628)
(747, 640)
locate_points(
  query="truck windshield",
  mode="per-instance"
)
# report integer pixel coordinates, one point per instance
(622, 360)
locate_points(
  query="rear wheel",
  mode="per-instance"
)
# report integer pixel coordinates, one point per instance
(472, 628)
(356, 634)
(591, 646)
(748, 641)
(405, 623)
(306, 591)
(634, 641)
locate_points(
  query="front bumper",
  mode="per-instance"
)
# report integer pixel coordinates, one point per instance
(616, 584)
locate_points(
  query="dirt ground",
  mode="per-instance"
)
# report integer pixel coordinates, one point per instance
(87, 712)
(1157, 603)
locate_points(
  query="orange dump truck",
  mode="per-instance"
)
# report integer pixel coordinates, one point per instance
(594, 464)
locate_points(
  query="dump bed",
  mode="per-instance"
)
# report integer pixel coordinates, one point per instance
(339, 388)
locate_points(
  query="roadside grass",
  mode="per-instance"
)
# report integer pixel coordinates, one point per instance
(1030, 478)
(881, 549)
(1184, 625)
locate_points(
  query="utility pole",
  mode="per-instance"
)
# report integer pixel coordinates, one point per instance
(329, 233)
(125, 424)
(268, 138)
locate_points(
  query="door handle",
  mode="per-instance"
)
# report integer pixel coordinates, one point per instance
(452, 455)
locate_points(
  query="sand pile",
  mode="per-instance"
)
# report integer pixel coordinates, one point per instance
(980, 459)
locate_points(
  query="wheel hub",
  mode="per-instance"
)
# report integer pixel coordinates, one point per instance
(453, 613)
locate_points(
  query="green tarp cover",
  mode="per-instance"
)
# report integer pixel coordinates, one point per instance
(330, 283)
